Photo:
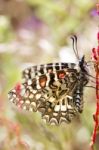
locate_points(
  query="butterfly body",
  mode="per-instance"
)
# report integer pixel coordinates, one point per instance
(55, 90)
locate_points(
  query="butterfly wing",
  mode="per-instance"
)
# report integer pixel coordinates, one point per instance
(47, 89)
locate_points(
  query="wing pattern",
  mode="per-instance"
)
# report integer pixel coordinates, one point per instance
(50, 89)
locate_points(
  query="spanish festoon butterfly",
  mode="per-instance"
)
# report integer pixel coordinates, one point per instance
(55, 89)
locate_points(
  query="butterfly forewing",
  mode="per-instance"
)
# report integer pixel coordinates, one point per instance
(36, 71)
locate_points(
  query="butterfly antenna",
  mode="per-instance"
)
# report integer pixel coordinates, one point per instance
(74, 38)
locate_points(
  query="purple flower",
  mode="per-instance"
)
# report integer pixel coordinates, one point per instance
(94, 12)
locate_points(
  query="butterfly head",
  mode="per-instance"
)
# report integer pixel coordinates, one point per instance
(84, 70)
(83, 64)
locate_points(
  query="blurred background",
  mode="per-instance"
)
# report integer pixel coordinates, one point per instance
(35, 32)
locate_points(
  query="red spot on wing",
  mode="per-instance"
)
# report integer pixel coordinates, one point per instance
(61, 74)
(18, 88)
(42, 81)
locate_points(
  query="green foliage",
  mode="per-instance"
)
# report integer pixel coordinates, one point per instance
(5, 29)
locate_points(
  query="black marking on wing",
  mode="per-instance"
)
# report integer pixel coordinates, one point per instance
(45, 89)
(34, 71)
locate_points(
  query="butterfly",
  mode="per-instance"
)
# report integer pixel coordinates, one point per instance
(54, 89)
